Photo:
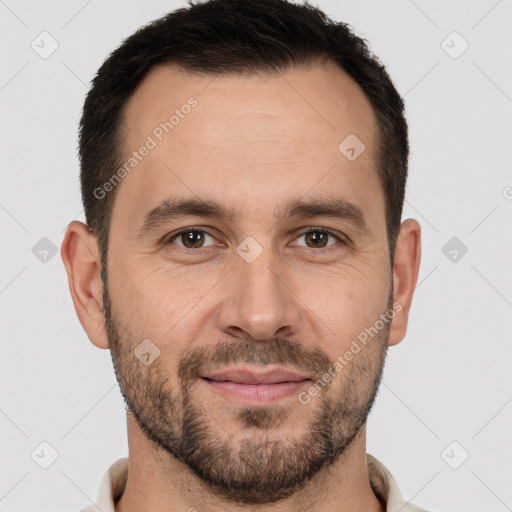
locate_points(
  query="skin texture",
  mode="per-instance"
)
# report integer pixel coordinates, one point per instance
(252, 143)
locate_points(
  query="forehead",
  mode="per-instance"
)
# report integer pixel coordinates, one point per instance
(325, 98)
(248, 139)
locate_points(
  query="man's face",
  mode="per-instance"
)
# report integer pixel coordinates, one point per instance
(262, 291)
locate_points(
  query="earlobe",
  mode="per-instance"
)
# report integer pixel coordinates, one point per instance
(81, 257)
(405, 276)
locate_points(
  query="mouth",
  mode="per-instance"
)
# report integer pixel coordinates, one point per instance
(256, 387)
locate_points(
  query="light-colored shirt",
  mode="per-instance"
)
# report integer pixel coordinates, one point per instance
(383, 484)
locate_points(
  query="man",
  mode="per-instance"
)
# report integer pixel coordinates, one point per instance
(243, 170)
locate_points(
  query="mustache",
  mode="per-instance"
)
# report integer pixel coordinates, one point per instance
(199, 360)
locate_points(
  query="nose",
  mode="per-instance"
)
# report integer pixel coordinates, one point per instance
(260, 302)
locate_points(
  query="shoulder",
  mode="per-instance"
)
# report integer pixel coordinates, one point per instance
(386, 488)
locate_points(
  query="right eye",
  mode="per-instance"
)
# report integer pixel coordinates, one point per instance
(189, 238)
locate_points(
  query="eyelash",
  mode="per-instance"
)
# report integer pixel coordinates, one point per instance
(174, 236)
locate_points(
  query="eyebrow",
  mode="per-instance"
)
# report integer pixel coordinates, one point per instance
(175, 208)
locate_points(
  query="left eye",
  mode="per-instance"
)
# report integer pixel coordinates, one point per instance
(318, 238)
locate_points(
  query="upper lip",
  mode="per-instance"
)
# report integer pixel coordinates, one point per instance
(245, 376)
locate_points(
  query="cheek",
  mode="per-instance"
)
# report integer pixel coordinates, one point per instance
(161, 305)
(349, 300)
(344, 320)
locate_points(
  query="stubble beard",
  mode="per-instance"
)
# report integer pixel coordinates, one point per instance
(256, 464)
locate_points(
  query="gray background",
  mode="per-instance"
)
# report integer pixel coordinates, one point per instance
(449, 380)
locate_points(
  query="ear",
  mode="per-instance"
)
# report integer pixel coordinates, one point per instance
(81, 256)
(405, 275)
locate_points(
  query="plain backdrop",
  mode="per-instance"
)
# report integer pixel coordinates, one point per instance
(443, 419)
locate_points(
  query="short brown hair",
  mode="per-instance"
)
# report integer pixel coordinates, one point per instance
(234, 36)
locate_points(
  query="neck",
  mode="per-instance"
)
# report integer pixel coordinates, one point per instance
(157, 481)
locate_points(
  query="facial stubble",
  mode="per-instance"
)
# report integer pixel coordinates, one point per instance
(257, 465)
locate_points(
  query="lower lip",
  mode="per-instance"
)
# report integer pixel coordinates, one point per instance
(257, 393)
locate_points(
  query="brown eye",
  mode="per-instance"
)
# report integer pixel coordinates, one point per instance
(190, 238)
(318, 238)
